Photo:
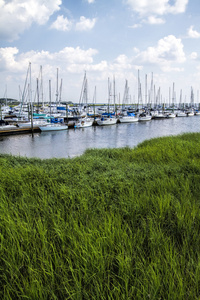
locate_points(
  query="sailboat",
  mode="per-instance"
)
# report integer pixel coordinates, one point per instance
(181, 112)
(127, 117)
(108, 118)
(190, 112)
(52, 126)
(171, 114)
(84, 121)
(144, 115)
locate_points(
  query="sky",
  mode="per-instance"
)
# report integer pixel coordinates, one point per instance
(111, 41)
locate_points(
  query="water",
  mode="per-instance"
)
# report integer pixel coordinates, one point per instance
(74, 142)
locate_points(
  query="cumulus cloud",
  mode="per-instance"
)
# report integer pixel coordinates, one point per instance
(157, 7)
(122, 63)
(62, 24)
(18, 15)
(11, 60)
(136, 26)
(7, 58)
(167, 53)
(85, 24)
(154, 20)
(194, 55)
(193, 33)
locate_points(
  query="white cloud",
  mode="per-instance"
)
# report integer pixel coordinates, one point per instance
(157, 7)
(167, 53)
(18, 15)
(90, 1)
(179, 7)
(193, 33)
(154, 20)
(194, 55)
(12, 61)
(62, 24)
(85, 24)
(135, 26)
(71, 62)
(7, 58)
(136, 50)
(122, 59)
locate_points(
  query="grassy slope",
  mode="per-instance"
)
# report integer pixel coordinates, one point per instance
(111, 224)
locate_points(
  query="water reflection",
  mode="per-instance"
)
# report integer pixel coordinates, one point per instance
(74, 142)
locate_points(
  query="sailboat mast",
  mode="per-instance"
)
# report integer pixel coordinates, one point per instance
(60, 92)
(152, 98)
(108, 94)
(50, 96)
(37, 97)
(114, 91)
(145, 89)
(82, 90)
(57, 87)
(41, 86)
(138, 87)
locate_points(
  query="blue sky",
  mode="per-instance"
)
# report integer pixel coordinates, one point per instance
(107, 39)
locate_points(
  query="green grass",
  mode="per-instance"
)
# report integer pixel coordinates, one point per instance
(110, 224)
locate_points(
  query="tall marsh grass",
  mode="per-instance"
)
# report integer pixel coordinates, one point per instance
(111, 224)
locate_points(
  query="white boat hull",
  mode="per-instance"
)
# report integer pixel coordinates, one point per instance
(107, 121)
(190, 114)
(145, 118)
(128, 119)
(171, 115)
(29, 124)
(53, 127)
(159, 116)
(84, 123)
(181, 114)
(8, 127)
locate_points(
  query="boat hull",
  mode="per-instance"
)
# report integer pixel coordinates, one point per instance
(105, 122)
(171, 115)
(128, 119)
(53, 127)
(30, 125)
(84, 123)
(146, 118)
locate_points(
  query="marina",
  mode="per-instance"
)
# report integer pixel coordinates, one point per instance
(60, 129)
(75, 141)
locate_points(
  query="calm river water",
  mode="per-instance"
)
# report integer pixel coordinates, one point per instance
(74, 142)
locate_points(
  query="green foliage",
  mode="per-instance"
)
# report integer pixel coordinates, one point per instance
(111, 224)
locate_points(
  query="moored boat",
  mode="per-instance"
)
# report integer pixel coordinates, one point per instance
(84, 122)
(106, 120)
(160, 115)
(53, 127)
(33, 124)
(144, 117)
(8, 127)
(170, 115)
(181, 114)
(128, 119)
(190, 113)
